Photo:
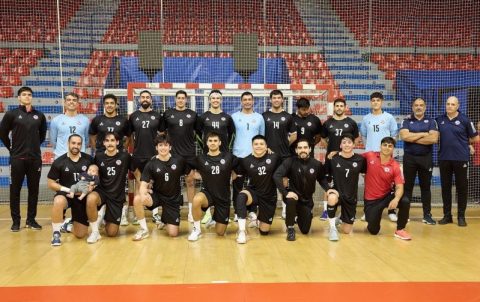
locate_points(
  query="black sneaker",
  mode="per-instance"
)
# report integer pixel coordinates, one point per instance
(291, 234)
(445, 220)
(462, 222)
(427, 219)
(15, 227)
(33, 225)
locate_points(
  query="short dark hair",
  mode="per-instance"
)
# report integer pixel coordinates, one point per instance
(276, 92)
(72, 94)
(376, 95)
(110, 96)
(339, 100)
(259, 136)
(212, 134)
(245, 94)
(214, 91)
(303, 103)
(300, 140)
(388, 140)
(75, 135)
(181, 92)
(162, 139)
(24, 88)
(418, 98)
(349, 136)
(115, 135)
(145, 91)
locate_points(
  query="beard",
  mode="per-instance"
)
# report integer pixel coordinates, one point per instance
(145, 105)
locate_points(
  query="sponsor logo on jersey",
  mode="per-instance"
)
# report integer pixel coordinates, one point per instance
(331, 126)
(443, 122)
(171, 116)
(102, 164)
(338, 166)
(207, 119)
(268, 161)
(372, 162)
(464, 165)
(137, 119)
(268, 119)
(20, 117)
(67, 169)
(101, 124)
(174, 167)
(222, 161)
(158, 169)
(252, 166)
(206, 163)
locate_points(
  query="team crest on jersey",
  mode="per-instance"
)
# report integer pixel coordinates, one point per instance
(35, 117)
(372, 162)
(386, 169)
(354, 165)
(345, 125)
(67, 169)
(223, 119)
(309, 124)
(84, 168)
(174, 167)
(152, 117)
(189, 116)
(222, 161)
(117, 123)
(411, 122)
(118, 162)
(268, 161)
(443, 122)
(382, 122)
(312, 171)
(457, 123)
(425, 121)
(283, 119)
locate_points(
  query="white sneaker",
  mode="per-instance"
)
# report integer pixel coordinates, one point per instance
(124, 220)
(393, 217)
(94, 237)
(207, 217)
(135, 221)
(333, 234)
(190, 217)
(140, 235)
(235, 218)
(241, 237)
(194, 235)
(363, 218)
(210, 224)
(160, 225)
(157, 219)
(252, 220)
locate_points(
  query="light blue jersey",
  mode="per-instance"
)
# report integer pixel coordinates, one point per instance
(62, 126)
(246, 127)
(375, 127)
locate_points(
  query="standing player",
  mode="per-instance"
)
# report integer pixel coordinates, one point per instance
(248, 124)
(375, 126)
(456, 133)
(215, 167)
(419, 134)
(164, 171)
(333, 129)
(63, 174)
(28, 127)
(180, 123)
(145, 125)
(110, 121)
(302, 172)
(345, 168)
(64, 125)
(382, 173)
(114, 165)
(308, 125)
(280, 130)
(261, 191)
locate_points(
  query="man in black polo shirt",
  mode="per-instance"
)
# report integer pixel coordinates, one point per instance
(29, 128)
(419, 134)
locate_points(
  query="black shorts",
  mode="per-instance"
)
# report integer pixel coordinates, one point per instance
(170, 207)
(78, 208)
(139, 163)
(113, 212)
(221, 212)
(266, 206)
(348, 210)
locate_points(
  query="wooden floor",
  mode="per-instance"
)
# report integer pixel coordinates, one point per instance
(436, 254)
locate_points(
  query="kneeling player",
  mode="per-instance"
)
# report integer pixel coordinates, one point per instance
(164, 170)
(302, 172)
(345, 168)
(258, 167)
(215, 167)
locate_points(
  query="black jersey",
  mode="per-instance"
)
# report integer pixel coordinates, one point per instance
(277, 128)
(302, 175)
(102, 124)
(145, 126)
(221, 123)
(29, 130)
(216, 172)
(307, 128)
(67, 172)
(113, 172)
(165, 175)
(345, 172)
(180, 126)
(334, 129)
(259, 172)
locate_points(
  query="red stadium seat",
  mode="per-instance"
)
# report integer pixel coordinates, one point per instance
(6, 92)
(47, 157)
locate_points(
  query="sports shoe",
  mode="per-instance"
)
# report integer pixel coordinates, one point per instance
(333, 234)
(33, 225)
(140, 235)
(462, 222)
(402, 234)
(235, 218)
(427, 219)
(157, 219)
(445, 220)
(94, 237)
(207, 217)
(291, 234)
(324, 215)
(241, 237)
(124, 220)
(393, 217)
(252, 220)
(363, 218)
(194, 235)
(211, 224)
(135, 221)
(15, 227)
(67, 226)
(56, 239)
(160, 225)
(338, 221)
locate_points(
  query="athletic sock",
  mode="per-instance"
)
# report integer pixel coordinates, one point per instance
(143, 223)
(56, 226)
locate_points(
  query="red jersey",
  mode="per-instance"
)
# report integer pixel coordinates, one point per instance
(380, 178)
